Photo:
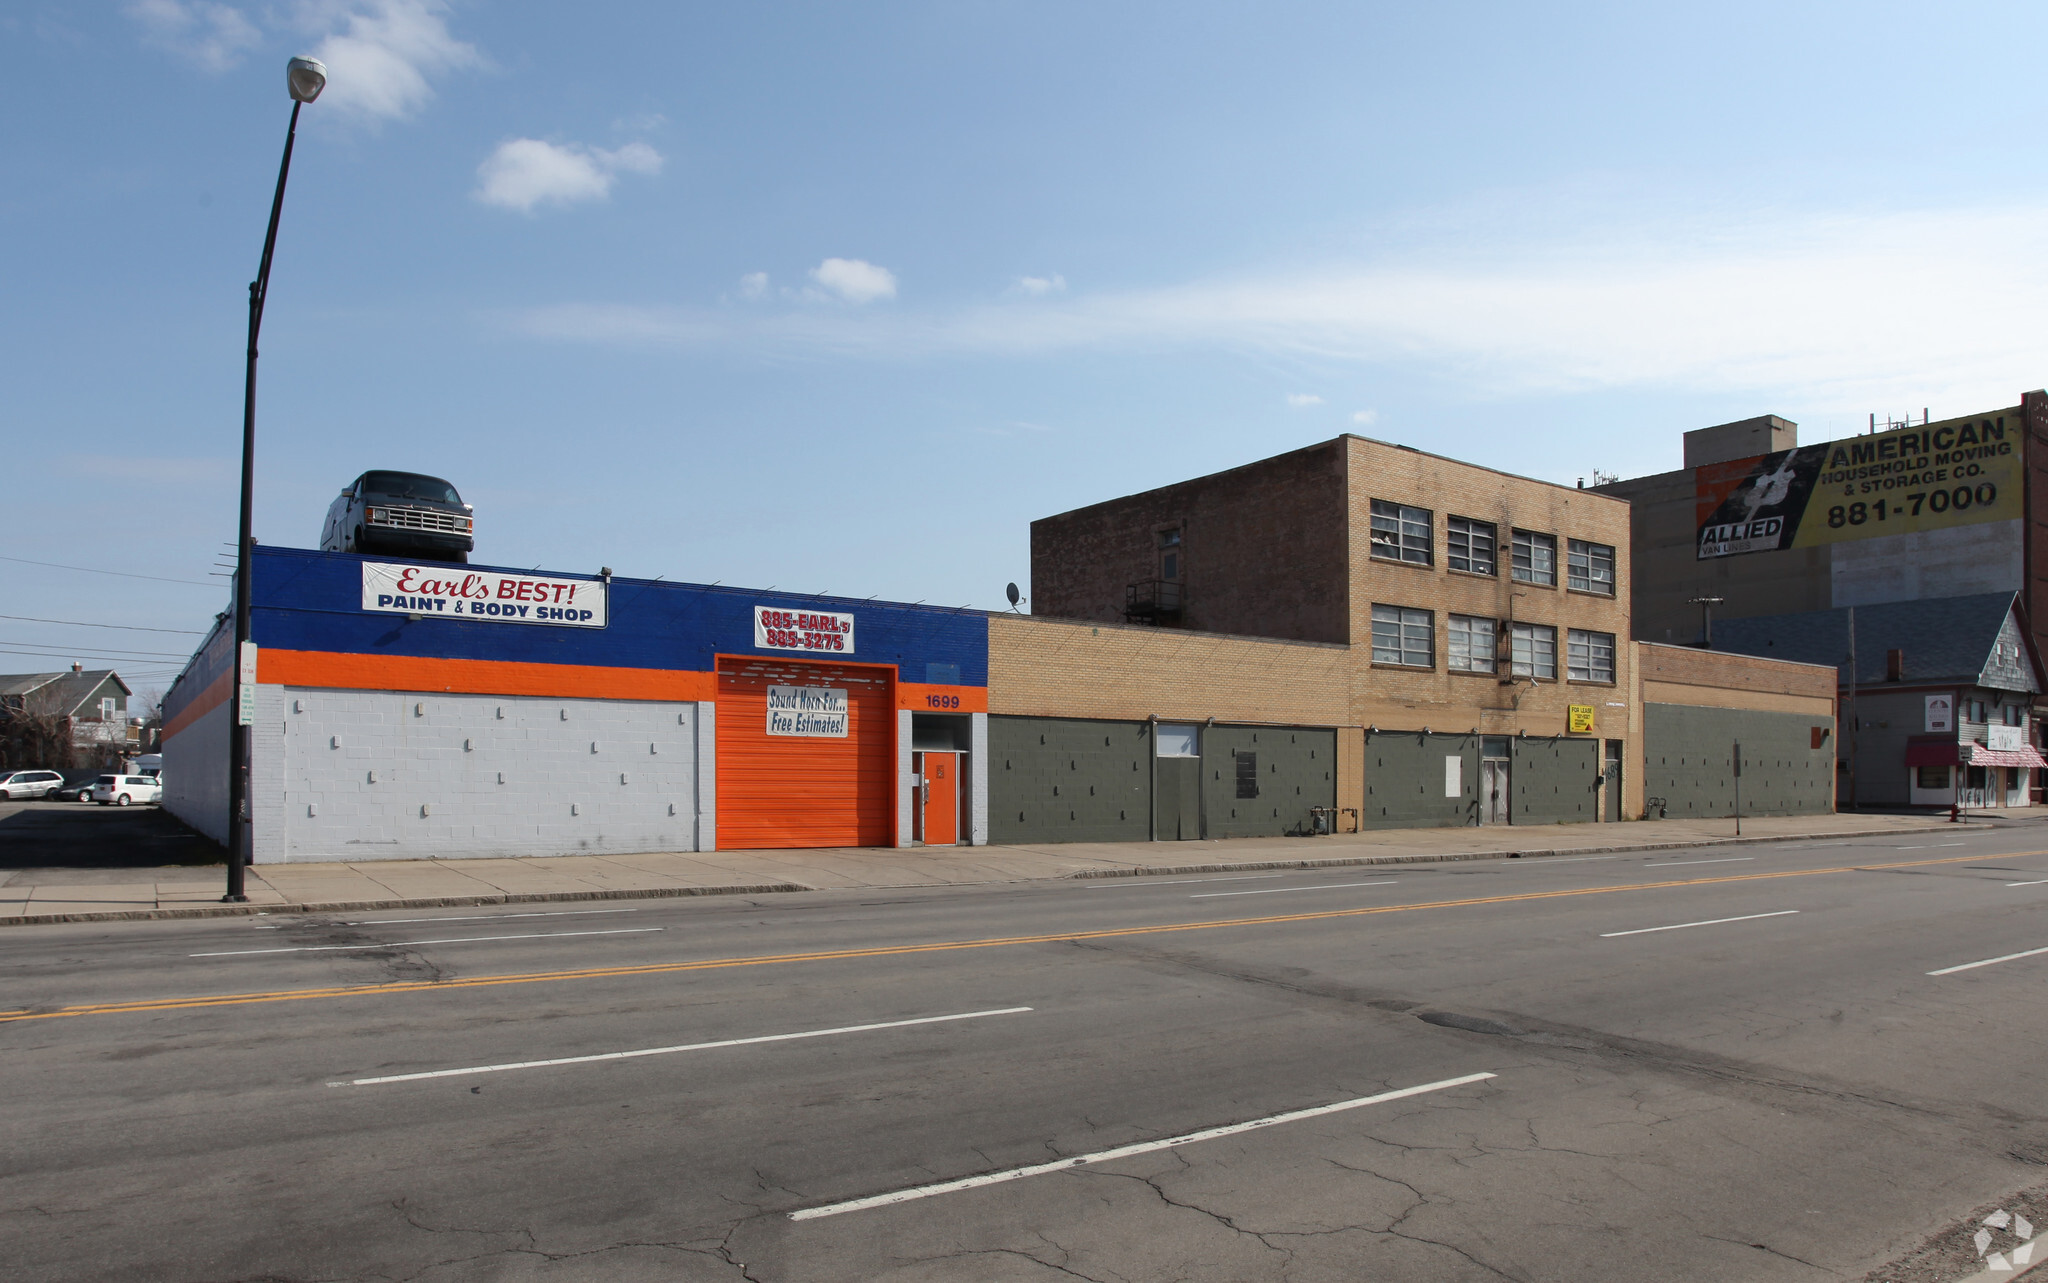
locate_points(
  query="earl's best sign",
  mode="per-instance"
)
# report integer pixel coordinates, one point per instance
(455, 593)
(776, 628)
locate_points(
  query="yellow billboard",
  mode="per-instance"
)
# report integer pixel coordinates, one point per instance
(1927, 477)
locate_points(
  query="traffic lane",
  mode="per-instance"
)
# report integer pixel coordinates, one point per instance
(1545, 963)
(1101, 1063)
(1534, 921)
(769, 920)
(1577, 1163)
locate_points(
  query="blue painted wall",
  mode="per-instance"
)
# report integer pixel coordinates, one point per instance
(313, 601)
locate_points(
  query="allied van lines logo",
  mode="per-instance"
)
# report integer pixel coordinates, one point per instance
(2019, 1227)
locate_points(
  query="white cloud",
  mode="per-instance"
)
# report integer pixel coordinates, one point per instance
(1040, 286)
(1303, 400)
(525, 172)
(379, 54)
(1839, 314)
(213, 35)
(1365, 418)
(754, 285)
(855, 280)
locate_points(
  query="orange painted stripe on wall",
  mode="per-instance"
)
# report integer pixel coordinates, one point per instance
(478, 676)
(941, 699)
(207, 700)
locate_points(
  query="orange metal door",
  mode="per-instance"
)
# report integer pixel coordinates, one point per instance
(779, 791)
(941, 799)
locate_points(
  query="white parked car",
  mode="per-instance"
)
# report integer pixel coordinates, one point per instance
(14, 784)
(120, 790)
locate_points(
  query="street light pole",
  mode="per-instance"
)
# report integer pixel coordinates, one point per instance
(305, 78)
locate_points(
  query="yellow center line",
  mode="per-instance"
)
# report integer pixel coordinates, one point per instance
(940, 946)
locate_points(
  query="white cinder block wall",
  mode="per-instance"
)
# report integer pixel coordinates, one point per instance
(196, 773)
(367, 775)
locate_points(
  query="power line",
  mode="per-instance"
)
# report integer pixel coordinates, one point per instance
(122, 573)
(39, 648)
(79, 623)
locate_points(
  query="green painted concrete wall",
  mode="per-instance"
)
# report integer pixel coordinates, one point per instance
(1688, 757)
(1291, 769)
(1554, 781)
(1069, 780)
(1404, 780)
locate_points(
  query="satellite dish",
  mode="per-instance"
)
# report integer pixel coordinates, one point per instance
(1011, 593)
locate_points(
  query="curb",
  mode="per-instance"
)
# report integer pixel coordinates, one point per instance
(1353, 860)
(772, 888)
(424, 902)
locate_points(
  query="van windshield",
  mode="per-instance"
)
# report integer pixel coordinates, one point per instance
(409, 485)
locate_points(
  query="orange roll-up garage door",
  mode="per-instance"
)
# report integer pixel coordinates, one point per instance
(804, 790)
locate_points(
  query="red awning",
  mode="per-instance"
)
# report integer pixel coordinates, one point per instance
(1981, 756)
(1932, 751)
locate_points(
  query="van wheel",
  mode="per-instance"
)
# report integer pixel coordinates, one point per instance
(121, 800)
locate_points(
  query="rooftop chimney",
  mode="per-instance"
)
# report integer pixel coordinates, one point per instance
(77, 667)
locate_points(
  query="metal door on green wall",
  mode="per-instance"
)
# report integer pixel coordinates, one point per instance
(1177, 792)
(1610, 780)
(1493, 780)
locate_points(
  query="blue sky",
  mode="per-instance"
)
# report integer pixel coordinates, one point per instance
(838, 298)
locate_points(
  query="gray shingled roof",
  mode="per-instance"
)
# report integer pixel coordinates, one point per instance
(1945, 638)
(67, 689)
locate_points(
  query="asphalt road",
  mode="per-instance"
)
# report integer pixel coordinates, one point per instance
(1783, 1091)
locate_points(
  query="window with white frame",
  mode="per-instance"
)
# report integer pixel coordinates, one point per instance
(1589, 567)
(1535, 558)
(1589, 656)
(1469, 644)
(1401, 533)
(1401, 635)
(1532, 651)
(1469, 545)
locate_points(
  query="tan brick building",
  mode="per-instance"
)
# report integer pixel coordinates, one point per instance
(1458, 635)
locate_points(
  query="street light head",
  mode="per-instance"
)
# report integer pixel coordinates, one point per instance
(305, 77)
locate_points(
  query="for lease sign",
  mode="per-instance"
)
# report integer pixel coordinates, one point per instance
(453, 592)
(778, 628)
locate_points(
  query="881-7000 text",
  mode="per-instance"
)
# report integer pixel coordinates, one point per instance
(1983, 494)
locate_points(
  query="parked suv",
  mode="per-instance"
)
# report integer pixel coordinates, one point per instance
(402, 514)
(14, 784)
(120, 790)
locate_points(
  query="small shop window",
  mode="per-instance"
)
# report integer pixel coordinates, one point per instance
(1533, 651)
(1402, 533)
(1403, 636)
(1535, 558)
(1932, 777)
(1589, 567)
(1469, 545)
(1247, 774)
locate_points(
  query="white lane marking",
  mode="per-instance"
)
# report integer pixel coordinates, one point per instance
(1942, 844)
(1327, 886)
(483, 917)
(667, 1051)
(1123, 1151)
(2042, 883)
(1909, 848)
(1125, 883)
(1710, 922)
(1726, 859)
(1968, 966)
(401, 944)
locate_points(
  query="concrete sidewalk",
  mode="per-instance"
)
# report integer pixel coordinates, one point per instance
(398, 884)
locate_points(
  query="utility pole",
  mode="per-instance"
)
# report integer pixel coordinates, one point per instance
(1855, 723)
(1738, 788)
(1706, 605)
